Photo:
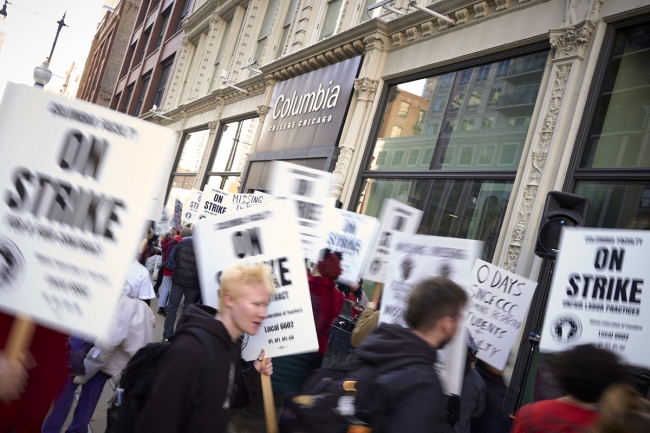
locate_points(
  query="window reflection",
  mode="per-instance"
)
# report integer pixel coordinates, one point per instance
(460, 115)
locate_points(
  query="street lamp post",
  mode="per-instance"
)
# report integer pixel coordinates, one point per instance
(42, 73)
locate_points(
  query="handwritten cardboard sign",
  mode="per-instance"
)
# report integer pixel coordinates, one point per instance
(499, 302)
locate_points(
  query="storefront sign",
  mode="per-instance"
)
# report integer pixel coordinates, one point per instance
(308, 189)
(193, 206)
(178, 215)
(598, 294)
(214, 202)
(395, 217)
(71, 219)
(352, 235)
(499, 301)
(414, 258)
(309, 110)
(262, 234)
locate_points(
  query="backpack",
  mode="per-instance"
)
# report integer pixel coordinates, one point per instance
(137, 377)
(170, 263)
(332, 400)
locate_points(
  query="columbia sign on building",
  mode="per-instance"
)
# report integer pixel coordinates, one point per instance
(308, 111)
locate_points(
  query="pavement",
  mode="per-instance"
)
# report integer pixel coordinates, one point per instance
(98, 421)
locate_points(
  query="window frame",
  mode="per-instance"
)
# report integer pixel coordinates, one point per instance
(144, 86)
(179, 155)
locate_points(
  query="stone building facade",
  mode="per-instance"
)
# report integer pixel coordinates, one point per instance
(107, 50)
(516, 98)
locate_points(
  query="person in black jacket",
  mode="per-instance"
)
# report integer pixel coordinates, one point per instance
(174, 402)
(185, 281)
(408, 394)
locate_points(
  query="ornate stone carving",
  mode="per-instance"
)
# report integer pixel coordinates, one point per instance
(462, 16)
(212, 126)
(214, 19)
(502, 5)
(537, 162)
(428, 28)
(482, 9)
(571, 41)
(398, 39)
(262, 110)
(523, 1)
(342, 167)
(366, 88)
(185, 42)
(412, 34)
(375, 41)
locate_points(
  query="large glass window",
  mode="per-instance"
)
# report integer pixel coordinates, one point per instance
(187, 165)
(285, 28)
(218, 64)
(331, 18)
(265, 30)
(443, 148)
(229, 155)
(614, 167)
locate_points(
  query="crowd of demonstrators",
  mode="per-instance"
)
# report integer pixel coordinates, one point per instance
(493, 419)
(185, 280)
(366, 323)
(172, 405)
(131, 328)
(623, 410)
(473, 393)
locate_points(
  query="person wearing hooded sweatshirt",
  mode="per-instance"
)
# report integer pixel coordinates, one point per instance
(172, 404)
(131, 329)
(407, 394)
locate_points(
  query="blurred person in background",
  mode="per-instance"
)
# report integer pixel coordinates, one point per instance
(584, 373)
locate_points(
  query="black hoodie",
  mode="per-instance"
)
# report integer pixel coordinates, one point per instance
(409, 393)
(174, 388)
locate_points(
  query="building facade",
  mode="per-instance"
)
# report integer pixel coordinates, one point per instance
(107, 51)
(472, 122)
(151, 54)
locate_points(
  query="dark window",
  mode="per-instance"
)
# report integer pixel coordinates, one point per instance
(163, 27)
(116, 101)
(141, 95)
(142, 13)
(127, 99)
(185, 10)
(129, 56)
(143, 48)
(162, 82)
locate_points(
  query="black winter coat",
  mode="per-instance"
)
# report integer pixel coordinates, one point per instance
(174, 387)
(409, 394)
(185, 271)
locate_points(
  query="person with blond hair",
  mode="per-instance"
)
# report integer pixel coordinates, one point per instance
(190, 394)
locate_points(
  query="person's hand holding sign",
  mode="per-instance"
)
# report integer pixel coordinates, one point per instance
(262, 365)
(13, 377)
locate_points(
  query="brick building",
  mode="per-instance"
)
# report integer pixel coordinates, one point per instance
(152, 47)
(107, 52)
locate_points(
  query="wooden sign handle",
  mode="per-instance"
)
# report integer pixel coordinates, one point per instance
(269, 403)
(377, 293)
(20, 336)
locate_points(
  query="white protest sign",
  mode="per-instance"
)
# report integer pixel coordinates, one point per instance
(178, 215)
(352, 235)
(308, 188)
(262, 234)
(395, 217)
(215, 202)
(244, 201)
(598, 294)
(499, 301)
(72, 221)
(415, 258)
(193, 206)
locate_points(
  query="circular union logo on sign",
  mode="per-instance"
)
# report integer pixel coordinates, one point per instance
(375, 266)
(12, 265)
(566, 328)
